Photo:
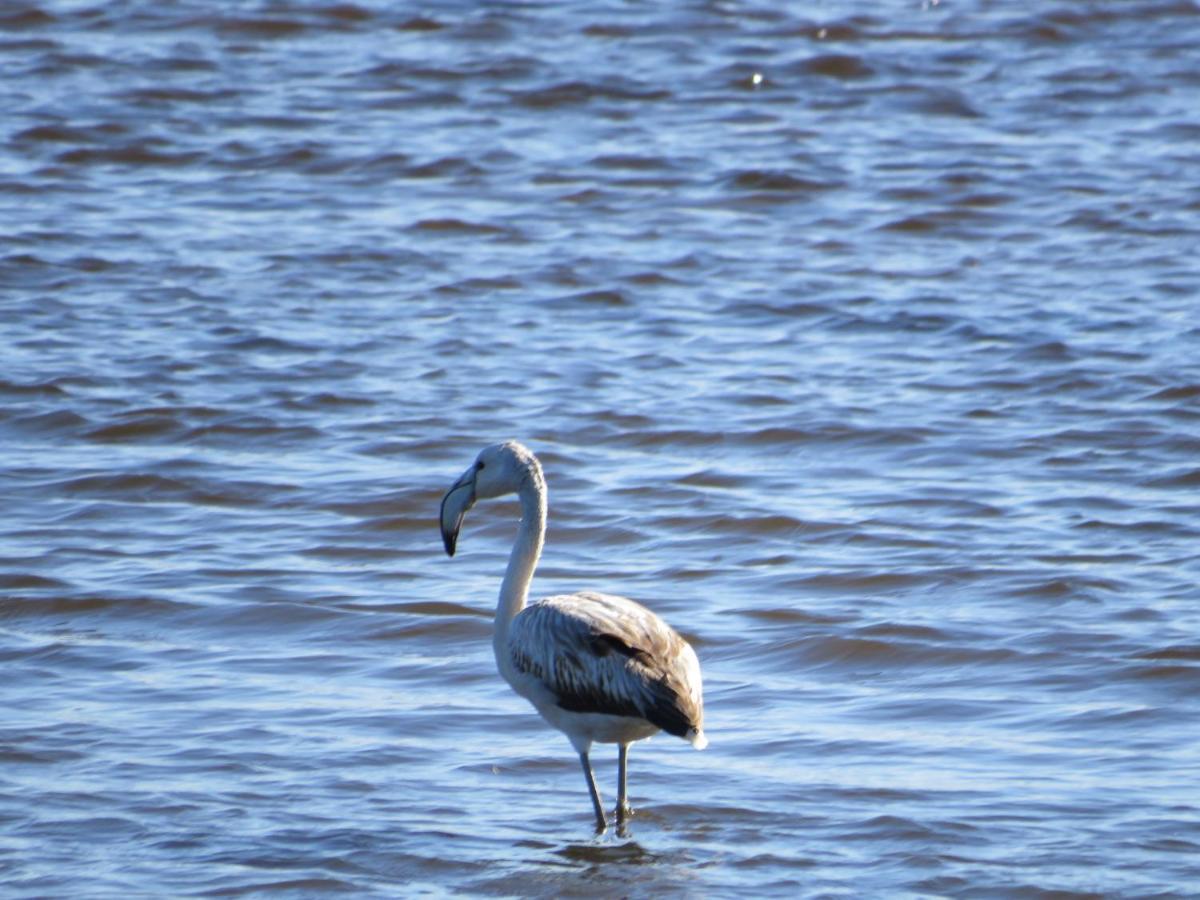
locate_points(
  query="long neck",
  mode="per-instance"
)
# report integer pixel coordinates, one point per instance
(514, 591)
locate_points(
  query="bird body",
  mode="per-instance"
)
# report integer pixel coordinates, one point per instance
(599, 668)
(603, 668)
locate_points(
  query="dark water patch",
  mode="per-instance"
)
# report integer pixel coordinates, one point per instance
(477, 286)
(607, 30)
(257, 27)
(874, 654)
(29, 17)
(387, 513)
(57, 422)
(1089, 559)
(148, 154)
(37, 389)
(91, 264)
(894, 828)
(50, 659)
(756, 400)
(578, 93)
(344, 552)
(856, 583)
(946, 222)
(1181, 478)
(263, 343)
(1075, 645)
(30, 46)
(68, 828)
(231, 432)
(399, 74)
(1047, 351)
(346, 13)
(260, 605)
(17, 755)
(165, 96)
(16, 581)
(466, 629)
(624, 853)
(915, 322)
(1182, 680)
(609, 535)
(589, 197)
(935, 101)
(1070, 588)
(669, 437)
(901, 630)
(304, 156)
(287, 886)
(419, 23)
(932, 709)
(951, 506)
(328, 400)
(624, 420)
(186, 63)
(58, 133)
(603, 298)
(459, 227)
(1188, 652)
(740, 526)
(70, 605)
(1144, 528)
(150, 487)
(748, 310)
(447, 167)
(1095, 502)
(1176, 393)
(1111, 719)
(386, 165)
(984, 200)
(631, 162)
(710, 478)
(788, 616)
(840, 66)
(834, 434)
(423, 608)
(126, 486)
(136, 427)
(773, 182)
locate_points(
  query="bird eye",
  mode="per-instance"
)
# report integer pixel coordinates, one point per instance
(478, 465)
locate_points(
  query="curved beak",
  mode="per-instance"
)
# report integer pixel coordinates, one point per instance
(459, 499)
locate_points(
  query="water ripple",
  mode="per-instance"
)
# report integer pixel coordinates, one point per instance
(857, 342)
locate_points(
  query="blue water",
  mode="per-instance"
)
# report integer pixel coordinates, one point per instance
(859, 341)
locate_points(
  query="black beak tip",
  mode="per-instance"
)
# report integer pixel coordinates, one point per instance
(449, 541)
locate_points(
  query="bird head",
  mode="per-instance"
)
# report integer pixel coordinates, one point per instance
(498, 470)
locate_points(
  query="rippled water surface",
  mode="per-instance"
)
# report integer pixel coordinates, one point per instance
(860, 340)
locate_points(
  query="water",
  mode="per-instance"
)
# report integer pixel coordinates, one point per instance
(859, 340)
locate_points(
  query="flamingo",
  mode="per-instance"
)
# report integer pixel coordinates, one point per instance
(599, 668)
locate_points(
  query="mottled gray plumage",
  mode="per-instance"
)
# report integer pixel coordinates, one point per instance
(596, 667)
(597, 653)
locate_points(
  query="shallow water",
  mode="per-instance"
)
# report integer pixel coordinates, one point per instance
(858, 341)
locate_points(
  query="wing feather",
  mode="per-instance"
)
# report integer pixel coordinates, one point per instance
(602, 654)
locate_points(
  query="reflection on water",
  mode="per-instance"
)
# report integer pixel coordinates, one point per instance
(628, 852)
(876, 376)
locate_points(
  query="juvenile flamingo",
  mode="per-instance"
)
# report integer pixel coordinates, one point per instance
(598, 668)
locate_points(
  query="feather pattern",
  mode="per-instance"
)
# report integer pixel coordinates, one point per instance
(596, 653)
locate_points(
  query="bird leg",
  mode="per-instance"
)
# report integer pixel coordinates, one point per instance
(601, 822)
(623, 810)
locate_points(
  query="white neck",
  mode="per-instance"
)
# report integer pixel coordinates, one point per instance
(526, 551)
